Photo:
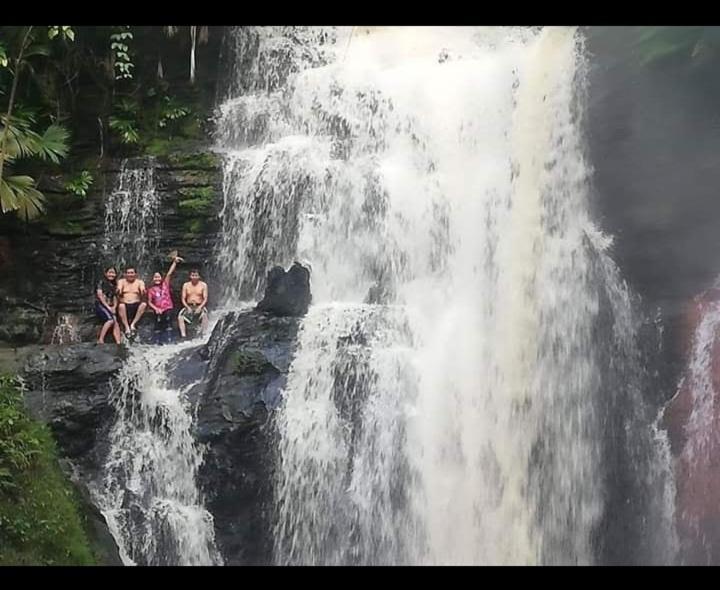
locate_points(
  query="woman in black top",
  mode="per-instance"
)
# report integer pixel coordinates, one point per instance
(106, 305)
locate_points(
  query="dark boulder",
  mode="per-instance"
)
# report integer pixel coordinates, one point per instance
(287, 293)
(68, 387)
(249, 356)
(238, 378)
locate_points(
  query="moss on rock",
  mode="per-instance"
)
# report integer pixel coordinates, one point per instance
(203, 160)
(40, 519)
(67, 227)
(250, 362)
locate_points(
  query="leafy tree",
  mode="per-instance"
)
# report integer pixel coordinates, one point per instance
(18, 140)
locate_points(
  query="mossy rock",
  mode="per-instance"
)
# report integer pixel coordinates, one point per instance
(205, 194)
(194, 178)
(22, 325)
(193, 228)
(250, 362)
(195, 161)
(194, 207)
(159, 147)
(68, 228)
(41, 521)
(191, 128)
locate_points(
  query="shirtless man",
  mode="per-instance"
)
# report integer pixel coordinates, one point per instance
(194, 300)
(131, 292)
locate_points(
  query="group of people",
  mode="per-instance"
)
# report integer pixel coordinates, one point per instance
(120, 303)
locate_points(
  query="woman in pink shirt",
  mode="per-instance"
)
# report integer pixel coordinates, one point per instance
(160, 301)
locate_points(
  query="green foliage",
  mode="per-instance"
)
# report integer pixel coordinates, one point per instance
(195, 161)
(19, 445)
(19, 139)
(64, 33)
(171, 110)
(124, 121)
(195, 206)
(40, 523)
(53, 144)
(119, 46)
(159, 146)
(193, 227)
(125, 128)
(80, 184)
(18, 192)
(83, 75)
(149, 121)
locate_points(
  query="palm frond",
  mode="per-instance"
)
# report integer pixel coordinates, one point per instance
(29, 202)
(53, 144)
(21, 142)
(8, 200)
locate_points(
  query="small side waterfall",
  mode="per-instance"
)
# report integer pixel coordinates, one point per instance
(65, 330)
(149, 493)
(132, 221)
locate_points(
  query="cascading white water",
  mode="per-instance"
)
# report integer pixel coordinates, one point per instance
(149, 492)
(693, 417)
(701, 434)
(132, 220)
(65, 330)
(445, 402)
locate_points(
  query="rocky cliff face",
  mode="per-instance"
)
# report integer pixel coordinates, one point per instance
(50, 268)
(239, 376)
(692, 420)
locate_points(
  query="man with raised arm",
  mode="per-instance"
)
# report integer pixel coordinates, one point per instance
(194, 300)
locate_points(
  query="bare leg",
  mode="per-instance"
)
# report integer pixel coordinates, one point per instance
(122, 312)
(138, 315)
(116, 332)
(181, 325)
(104, 330)
(203, 322)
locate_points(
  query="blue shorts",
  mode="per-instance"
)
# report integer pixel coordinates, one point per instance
(103, 313)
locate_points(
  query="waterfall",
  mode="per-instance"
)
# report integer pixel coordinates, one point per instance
(65, 330)
(132, 222)
(148, 491)
(694, 416)
(471, 344)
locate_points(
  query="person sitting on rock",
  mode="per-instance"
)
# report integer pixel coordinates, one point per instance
(131, 292)
(194, 300)
(106, 304)
(160, 301)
